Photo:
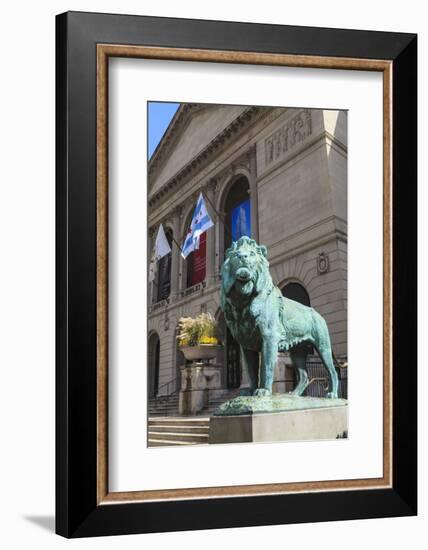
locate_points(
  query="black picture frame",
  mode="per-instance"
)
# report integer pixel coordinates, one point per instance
(78, 513)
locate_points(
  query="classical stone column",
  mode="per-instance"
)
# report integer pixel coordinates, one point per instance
(252, 160)
(211, 234)
(175, 253)
(182, 265)
(182, 276)
(219, 244)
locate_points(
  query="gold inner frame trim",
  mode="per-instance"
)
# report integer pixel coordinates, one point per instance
(104, 51)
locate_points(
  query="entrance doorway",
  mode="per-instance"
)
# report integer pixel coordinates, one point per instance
(296, 292)
(154, 355)
(233, 361)
(231, 356)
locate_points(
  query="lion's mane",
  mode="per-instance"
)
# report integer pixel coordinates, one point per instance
(258, 266)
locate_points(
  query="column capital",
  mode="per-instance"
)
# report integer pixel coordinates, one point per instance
(232, 169)
(251, 152)
(211, 186)
(177, 213)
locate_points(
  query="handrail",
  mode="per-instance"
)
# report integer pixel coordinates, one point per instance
(167, 385)
(165, 399)
(318, 379)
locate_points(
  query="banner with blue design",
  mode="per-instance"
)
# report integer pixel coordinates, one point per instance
(201, 221)
(241, 220)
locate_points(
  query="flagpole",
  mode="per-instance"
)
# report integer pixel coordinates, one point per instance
(218, 215)
(176, 244)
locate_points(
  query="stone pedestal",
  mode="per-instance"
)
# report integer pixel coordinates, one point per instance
(295, 419)
(198, 380)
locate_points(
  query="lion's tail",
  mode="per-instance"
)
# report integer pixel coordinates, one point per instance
(336, 361)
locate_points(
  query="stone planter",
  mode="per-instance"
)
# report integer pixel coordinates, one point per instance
(203, 352)
(198, 382)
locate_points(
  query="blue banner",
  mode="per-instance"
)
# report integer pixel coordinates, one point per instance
(241, 220)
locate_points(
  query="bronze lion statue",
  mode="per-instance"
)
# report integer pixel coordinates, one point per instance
(263, 321)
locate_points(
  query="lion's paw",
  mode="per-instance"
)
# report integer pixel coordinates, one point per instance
(331, 395)
(262, 392)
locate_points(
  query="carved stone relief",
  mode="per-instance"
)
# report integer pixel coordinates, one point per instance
(291, 134)
(323, 263)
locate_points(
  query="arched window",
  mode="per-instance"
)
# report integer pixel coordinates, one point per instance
(196, 261)
(231, 354)
(154, 355)
(238, 212)
(164, 271)
(296, 292)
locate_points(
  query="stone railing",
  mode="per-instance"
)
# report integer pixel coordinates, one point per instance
(159, 305)
(193, 289)
(186, 293)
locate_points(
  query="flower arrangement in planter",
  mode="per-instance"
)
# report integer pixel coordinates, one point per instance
(197, 337)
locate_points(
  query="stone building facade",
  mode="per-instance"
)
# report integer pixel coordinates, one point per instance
(285, 171)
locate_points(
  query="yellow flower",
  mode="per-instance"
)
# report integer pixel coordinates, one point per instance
(183, 342)
(198, 330)
(208, 340)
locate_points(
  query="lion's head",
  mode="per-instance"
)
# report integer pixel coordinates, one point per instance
(245, 271)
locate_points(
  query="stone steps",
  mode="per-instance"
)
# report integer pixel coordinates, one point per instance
(176, 428)
(163, 407)
(169, 431)
(179, 421)
(167, 443)
(168, 408)
(166, 428)
(183, 437)
(215, 403)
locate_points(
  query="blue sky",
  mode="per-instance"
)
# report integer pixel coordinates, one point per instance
(159, 115)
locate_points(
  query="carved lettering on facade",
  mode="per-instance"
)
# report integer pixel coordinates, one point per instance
(291, 134)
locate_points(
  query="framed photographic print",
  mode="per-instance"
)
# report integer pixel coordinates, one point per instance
(236, 274)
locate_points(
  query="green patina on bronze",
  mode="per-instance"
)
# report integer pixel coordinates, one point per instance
(264, 322)
(275, 403)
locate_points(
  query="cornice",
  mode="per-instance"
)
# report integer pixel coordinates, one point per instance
(173, 131)
(211, 186)
(205, 156)
(309, 146)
